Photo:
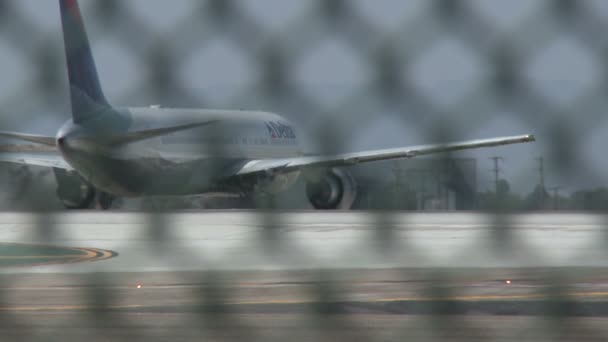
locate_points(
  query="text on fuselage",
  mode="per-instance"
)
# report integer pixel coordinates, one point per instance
(278, 130)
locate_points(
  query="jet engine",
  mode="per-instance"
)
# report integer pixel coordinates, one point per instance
(334, 189)
(73, 191)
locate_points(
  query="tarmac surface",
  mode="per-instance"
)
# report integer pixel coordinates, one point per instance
(303, 275)
(241, 240)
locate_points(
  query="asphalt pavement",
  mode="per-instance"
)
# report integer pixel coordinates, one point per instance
(303, 275)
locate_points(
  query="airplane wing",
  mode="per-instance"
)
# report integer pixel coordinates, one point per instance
(291, 164)
(122, 139)
(38, 139)
(37, 154)
(44, 152)
(47, 159)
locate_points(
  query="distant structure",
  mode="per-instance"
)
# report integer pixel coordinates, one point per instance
(418, 184)
(496, 171)
(541, 182)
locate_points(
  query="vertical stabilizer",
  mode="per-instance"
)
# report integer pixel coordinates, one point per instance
(86, 94)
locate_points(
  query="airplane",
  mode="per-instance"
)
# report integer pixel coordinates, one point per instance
(104, 152)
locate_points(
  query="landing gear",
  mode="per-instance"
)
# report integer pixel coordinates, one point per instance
(73, 192)
(103, 200)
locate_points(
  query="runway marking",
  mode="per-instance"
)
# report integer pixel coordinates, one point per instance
(59, 308)
(34, 256)
(495, 297)
(30, 255)
(69, 308)
(430, 299)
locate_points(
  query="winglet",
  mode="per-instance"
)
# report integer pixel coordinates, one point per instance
(85, 90)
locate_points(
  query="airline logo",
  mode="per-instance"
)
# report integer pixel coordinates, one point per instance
(278, 130)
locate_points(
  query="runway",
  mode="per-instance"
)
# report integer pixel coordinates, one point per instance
(253, 241)
(368, 305)
(405, 292)
(272, 275)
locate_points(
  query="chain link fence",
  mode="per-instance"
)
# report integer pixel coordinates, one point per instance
(353, 75)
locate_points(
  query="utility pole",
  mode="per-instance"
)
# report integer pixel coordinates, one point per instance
(399, 173)
(541, 172)
(497, 170)
(420, 177)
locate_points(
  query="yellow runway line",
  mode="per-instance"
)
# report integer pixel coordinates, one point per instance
(15, 257)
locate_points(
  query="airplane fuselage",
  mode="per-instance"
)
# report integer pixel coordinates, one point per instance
(191, 161)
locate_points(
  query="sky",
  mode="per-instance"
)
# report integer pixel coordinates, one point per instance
(446, 67)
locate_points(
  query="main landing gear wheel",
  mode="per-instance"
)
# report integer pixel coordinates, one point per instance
(103, 200)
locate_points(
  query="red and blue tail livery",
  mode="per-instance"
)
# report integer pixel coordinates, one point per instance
(85, 89)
